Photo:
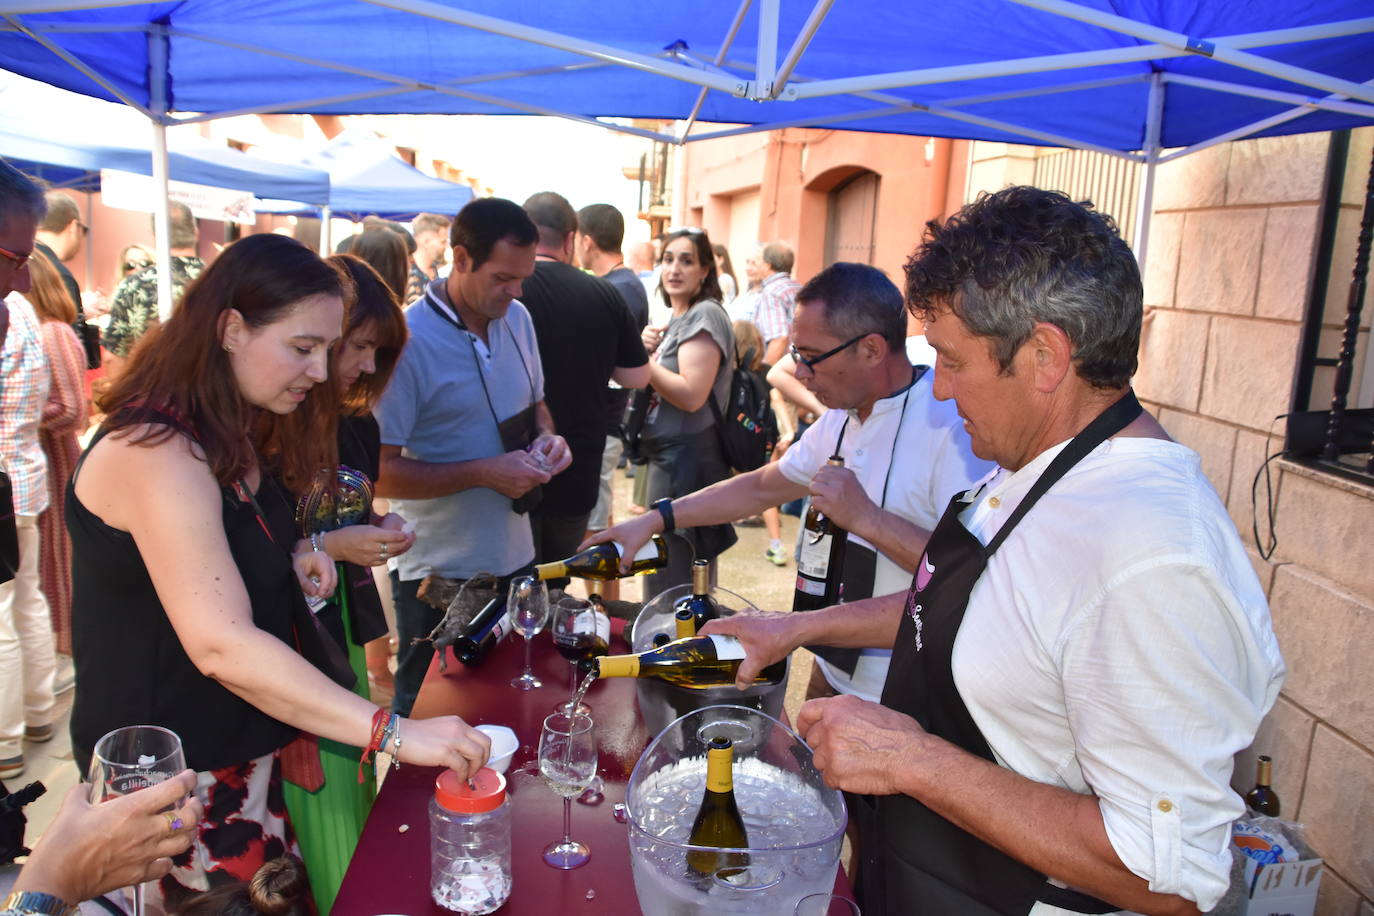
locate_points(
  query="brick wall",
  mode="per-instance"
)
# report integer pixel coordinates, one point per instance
(1230, 261)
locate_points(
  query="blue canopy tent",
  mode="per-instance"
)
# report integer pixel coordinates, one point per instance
(366, 177)
(70, 162)
(1131, 78)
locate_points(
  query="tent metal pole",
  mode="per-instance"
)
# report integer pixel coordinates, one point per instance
(766, 50)
(730, 37)
(157, 73)
(1216, 50)
(1145, 205)
(326, 243)
(808, 32)
(1291, 98)
(60, 6)
(1133, 54)
(493, 100)
(79, 65)
(561, 42)
(916, 107)
(1242, 132)
(1028, 93)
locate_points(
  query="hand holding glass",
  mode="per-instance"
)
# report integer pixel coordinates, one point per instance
(132, 758)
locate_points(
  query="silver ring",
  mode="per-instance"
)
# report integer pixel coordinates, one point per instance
(382, 551)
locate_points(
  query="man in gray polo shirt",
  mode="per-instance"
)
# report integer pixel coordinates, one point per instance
(466, 438)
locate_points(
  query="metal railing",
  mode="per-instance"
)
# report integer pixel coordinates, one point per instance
(1340, 439)
(1111, 183)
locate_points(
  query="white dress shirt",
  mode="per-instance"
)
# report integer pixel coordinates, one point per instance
(930, 460)
(1119, 645)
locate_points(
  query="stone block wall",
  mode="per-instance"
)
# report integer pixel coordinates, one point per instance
(1233, 242)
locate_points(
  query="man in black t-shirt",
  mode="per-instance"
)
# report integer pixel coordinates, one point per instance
(587, 337)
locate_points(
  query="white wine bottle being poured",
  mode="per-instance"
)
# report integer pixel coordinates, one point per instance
(602, 562)
(718, 823)
(699, 663)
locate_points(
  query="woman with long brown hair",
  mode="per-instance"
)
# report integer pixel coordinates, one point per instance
(329, 814)
(690, 363)
(64, 418)
(188, 607)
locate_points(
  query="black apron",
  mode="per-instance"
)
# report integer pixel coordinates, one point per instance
(860, 562)
(911, 856)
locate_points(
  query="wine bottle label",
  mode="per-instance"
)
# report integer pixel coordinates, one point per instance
(808, 586)
(598, 625)
(647, 552)
(728, 648)
(815, 557)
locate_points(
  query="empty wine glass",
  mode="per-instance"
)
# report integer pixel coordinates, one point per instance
(132, 758)
(567, 761)
(826, 905)
(528, 606)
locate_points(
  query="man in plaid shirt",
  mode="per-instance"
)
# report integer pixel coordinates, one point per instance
(777, 298)
(26, 643)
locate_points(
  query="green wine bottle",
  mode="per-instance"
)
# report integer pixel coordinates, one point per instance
(699, 663)
(602, 562)
(1262, 799)
(718, 823)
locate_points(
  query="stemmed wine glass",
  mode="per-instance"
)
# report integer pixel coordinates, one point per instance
(581, 632)
(132, 758)
(528, 606)
(567, 761)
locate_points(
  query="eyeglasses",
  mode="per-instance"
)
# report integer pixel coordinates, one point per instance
(19, 259)
(814, 361)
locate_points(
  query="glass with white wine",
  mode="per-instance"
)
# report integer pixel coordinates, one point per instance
(567, 762)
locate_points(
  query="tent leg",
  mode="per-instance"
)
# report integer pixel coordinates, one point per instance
(162, 222)
(1147, 184)
(326, 243)
(157, 67)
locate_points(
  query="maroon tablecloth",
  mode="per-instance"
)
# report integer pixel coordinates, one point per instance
(390, 870)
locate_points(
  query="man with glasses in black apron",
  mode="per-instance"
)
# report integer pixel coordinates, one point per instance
(1084, 646)
(466, 438)
(849, 336)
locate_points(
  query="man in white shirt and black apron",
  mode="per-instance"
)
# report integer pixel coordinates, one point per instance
(904, 453)
(1084, 645)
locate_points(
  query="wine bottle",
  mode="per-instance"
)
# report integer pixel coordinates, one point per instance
(590, 638)
(491, 625)
(686, 623)
(661, 639)
(602, 562)
(700, 603)
(699, 663)
(820, 569)
(1262, 799)
(718, 822)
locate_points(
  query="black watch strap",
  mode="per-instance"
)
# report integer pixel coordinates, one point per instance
(665, 509)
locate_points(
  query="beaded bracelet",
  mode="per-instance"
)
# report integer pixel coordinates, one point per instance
(396, 746)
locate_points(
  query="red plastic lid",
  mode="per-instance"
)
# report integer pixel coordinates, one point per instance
(454, 794)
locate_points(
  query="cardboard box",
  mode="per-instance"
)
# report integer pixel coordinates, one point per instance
(1282, 889)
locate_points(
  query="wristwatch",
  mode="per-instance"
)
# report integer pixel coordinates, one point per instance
(27, 902)
(665, 509)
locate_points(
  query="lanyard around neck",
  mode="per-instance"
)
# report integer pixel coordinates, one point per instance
(454, 319)
(916, 373)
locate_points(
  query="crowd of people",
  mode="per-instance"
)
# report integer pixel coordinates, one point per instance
(1045, 728)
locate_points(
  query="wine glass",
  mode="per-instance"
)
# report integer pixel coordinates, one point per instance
(826, 905)
(132, 758)
(567, 761)
(528, 606)
(581, 631)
